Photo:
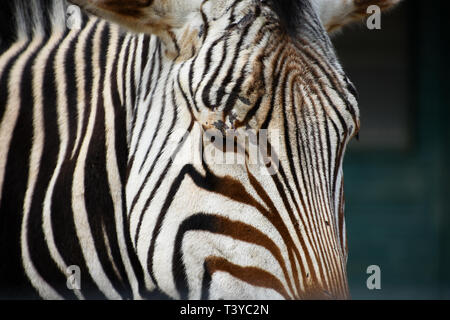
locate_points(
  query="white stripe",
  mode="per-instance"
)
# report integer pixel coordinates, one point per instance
(128, 101)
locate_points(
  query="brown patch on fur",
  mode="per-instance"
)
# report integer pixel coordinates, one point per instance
(188, 44)
(254, 276)
(362, 5)
(334, 27)
(128, 8)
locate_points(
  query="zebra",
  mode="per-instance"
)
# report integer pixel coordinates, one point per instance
(97, 168)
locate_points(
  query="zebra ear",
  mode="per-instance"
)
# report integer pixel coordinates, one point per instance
(337, 13)
(147, 16)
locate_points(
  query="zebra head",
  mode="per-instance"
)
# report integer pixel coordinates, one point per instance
(224, 68)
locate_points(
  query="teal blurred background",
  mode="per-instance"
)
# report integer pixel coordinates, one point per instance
(397, 177)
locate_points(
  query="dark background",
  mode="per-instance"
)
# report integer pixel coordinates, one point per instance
(397, 179)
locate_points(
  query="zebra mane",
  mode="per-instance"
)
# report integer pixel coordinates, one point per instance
(37, 17)
(291, 13)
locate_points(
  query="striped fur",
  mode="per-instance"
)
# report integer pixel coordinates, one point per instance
(97, 167)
